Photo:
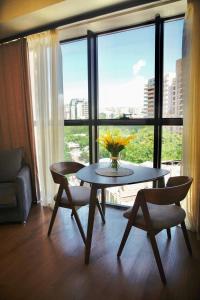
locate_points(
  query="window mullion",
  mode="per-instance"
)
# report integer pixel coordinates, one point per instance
(92, 94)
(158, 91)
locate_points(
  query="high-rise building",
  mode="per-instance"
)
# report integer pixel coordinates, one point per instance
(149, 95)
(172, 94)
(179, 88)
(171, 98)
(66, 112)
(169, 94)
(78, 109)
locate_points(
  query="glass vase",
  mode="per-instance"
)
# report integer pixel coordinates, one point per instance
(114, 163)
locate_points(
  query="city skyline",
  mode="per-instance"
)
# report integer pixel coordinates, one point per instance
(123, 70)
(172, 101)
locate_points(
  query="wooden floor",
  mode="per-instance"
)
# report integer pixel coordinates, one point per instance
(33, 266)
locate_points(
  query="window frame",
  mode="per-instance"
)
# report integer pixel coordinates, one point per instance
(157, 121)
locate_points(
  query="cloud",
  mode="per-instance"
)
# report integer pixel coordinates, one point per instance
(129, 93)
(75, 90)
(139, 64)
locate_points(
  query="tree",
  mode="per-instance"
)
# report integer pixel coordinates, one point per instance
(141, 149)
(171, 145)
(138, 151)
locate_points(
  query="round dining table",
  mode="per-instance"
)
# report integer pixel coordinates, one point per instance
(90, 175)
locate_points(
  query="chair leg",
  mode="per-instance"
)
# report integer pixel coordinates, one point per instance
(76, 208)
(101, 212)
(169, 233)
(79, 224)
(53, 218)
(186, 237)
(157, 256)
(124, 239)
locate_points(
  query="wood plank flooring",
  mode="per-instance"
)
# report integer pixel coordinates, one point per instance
(33, 266)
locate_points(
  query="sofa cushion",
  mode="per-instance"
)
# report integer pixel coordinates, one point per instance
(10, 164)
(8, 195)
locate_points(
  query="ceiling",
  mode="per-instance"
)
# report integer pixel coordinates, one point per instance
(121, 19)
(24, 16)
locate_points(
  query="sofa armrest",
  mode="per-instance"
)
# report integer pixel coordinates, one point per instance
(24, 191)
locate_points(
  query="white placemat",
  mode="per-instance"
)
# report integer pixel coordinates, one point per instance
(110, 172)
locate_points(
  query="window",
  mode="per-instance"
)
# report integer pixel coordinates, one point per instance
(172, 80)
(126, 63)
(75, 86)
(172, 149)
(75, 80)
(76, 144)
(129, 79)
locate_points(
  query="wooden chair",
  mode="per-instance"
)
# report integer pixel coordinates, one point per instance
(71, 197)
(157, 209)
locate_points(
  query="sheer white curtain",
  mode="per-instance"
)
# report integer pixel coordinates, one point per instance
(191, 92)
(48, 106)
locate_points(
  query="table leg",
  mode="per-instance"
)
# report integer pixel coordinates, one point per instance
(103, 200)
(92, 206)
(161, 182)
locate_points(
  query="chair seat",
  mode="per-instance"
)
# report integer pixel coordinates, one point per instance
(80, 196)
(162, 216)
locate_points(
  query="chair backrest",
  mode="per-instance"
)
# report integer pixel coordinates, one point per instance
(174, 192)
(60, 169)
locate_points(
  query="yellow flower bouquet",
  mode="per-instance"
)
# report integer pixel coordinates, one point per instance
(115, 142)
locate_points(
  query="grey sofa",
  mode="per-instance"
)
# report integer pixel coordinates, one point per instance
(15, 187)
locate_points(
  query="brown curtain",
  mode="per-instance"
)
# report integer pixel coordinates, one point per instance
(191, 150)
(16, 119)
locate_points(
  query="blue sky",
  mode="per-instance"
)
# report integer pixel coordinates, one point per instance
(125, 61)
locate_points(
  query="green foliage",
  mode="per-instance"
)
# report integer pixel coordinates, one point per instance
(138, 151)
(141, 149)
(171, 145)
(79, 136)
